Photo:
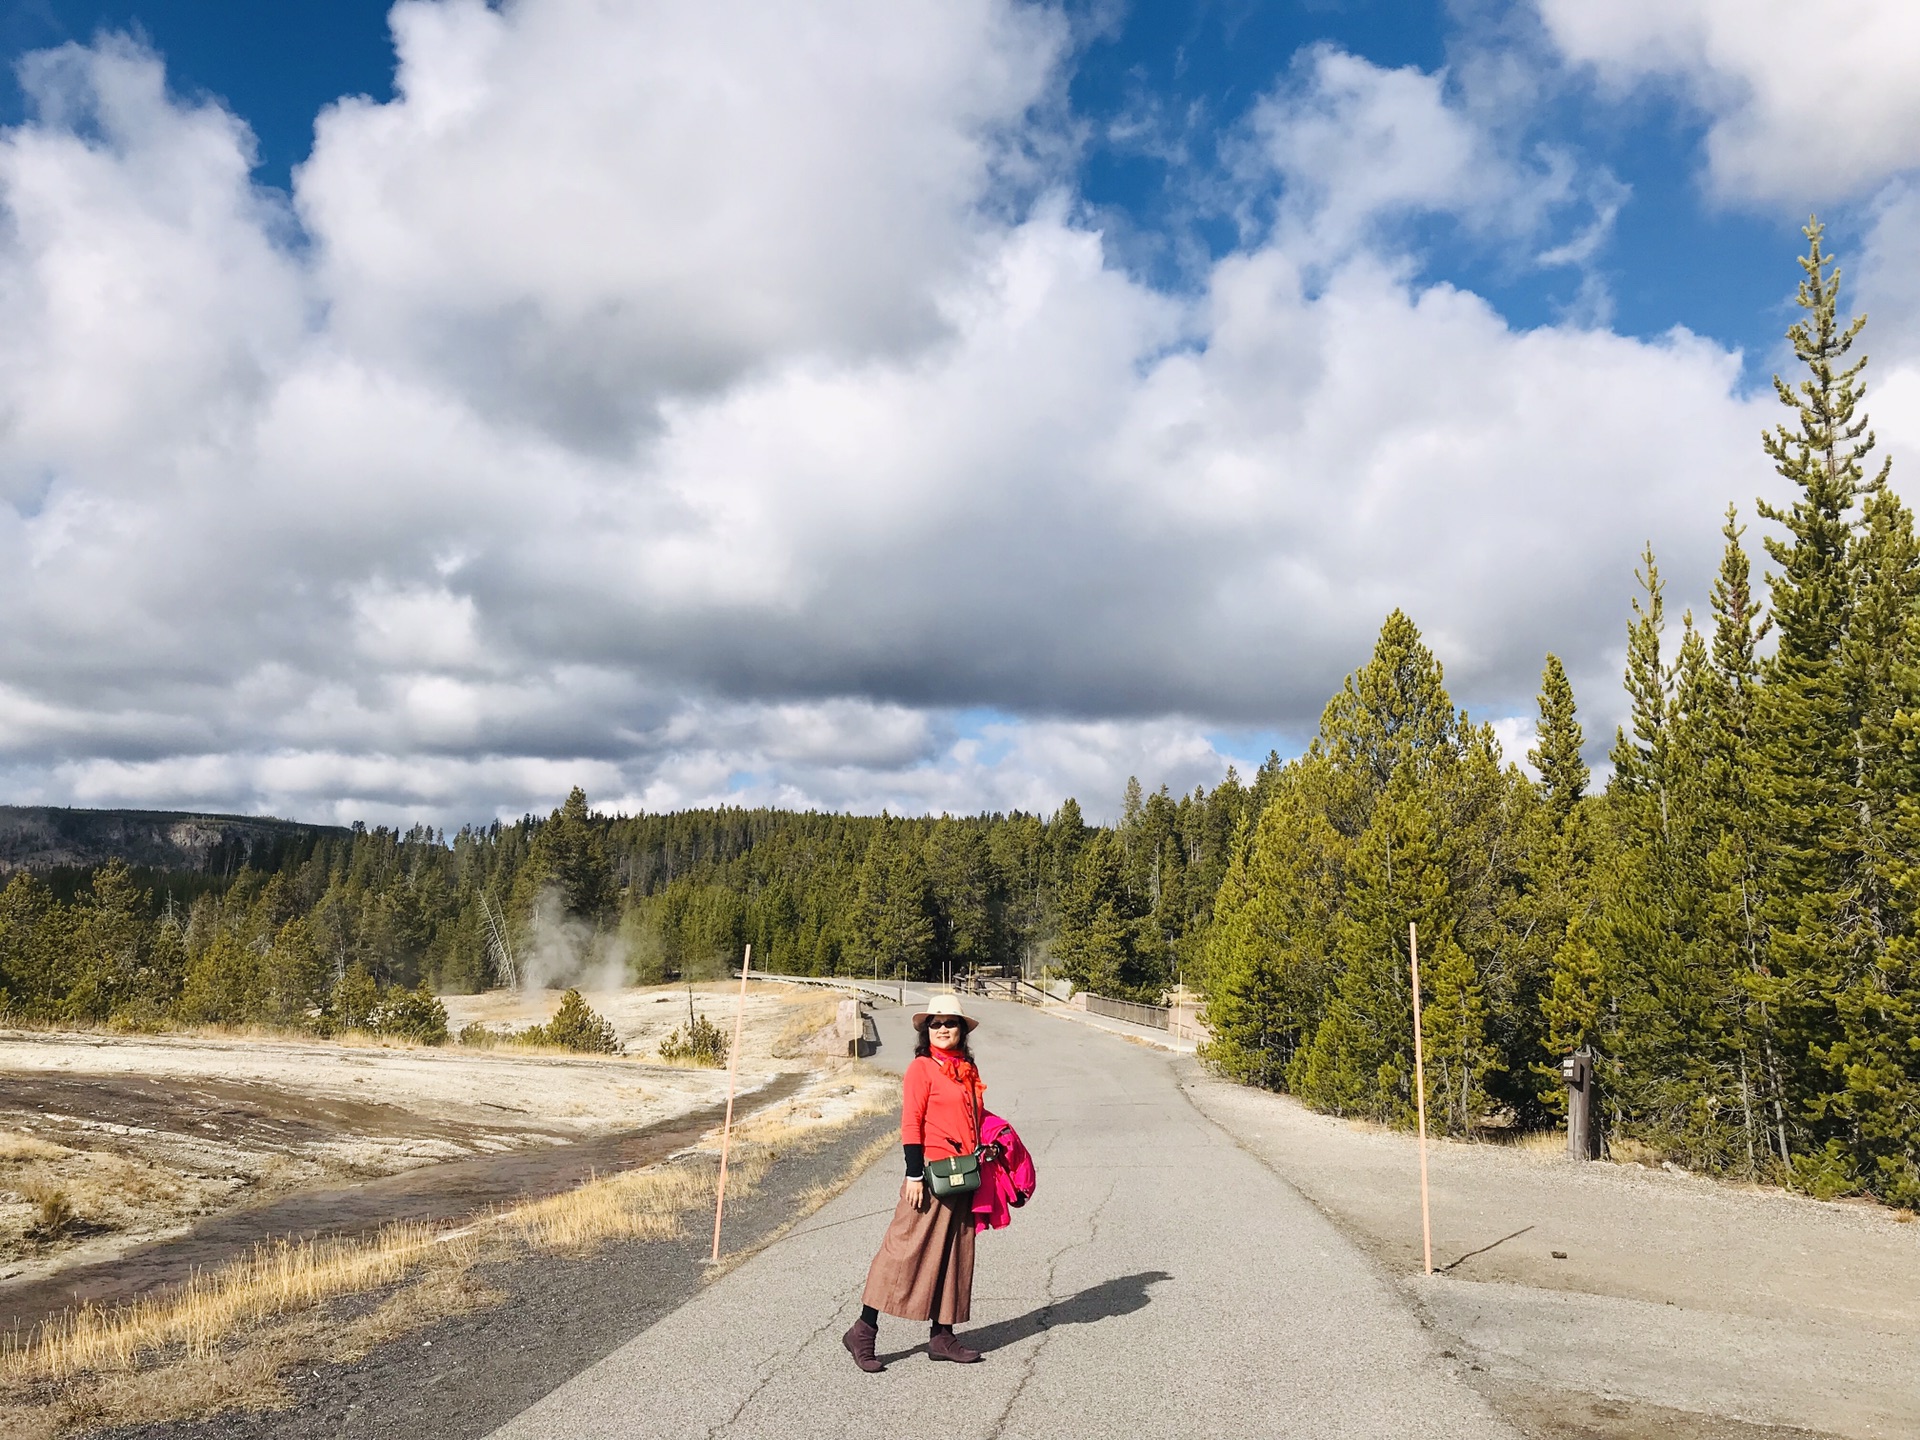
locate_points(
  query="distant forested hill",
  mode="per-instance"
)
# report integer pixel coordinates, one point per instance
(124, 916)
(45, 838)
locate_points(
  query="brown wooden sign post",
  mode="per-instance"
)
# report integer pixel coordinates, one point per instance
(1583, 1141)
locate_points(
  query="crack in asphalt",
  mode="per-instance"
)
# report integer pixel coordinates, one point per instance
(1028, 1366)
(779, 1366)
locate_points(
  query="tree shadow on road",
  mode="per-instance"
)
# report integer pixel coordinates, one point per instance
(1110, 1298)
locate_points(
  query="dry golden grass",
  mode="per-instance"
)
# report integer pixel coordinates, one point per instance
(1628, 1151)
(53, 1207)
(1539, 1144)
(18, 1145)
(194, 1320)
(58, 1193)
(509, 1044)
(246, 1376)
(812, 1198)
(685, 1063)
(639, 1204)
(808, 1201)
(223, 1341)
(810, 1014)
(800, 1121)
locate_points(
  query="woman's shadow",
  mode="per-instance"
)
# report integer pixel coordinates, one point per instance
(1121, 1296)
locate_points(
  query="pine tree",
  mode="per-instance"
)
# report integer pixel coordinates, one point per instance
(1361, 1059)
(1106, 943)
(966, 898)
(1399, 811)
(1735, 851)
(892, 923)
(1556, 754)
(1555, 963)
(1807, 726)
(1661, 1055)
(1267, 962)
(568, 852)
(1881, 1057)
(1640, 763)
(1392, 713)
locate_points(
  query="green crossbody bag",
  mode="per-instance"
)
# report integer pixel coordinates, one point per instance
(959, 1175)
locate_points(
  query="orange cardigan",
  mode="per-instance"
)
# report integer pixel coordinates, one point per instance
(940, 1107)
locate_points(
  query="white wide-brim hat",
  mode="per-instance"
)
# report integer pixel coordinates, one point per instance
(944, 1005)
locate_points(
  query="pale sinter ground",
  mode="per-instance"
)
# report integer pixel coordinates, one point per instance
(120, 1140)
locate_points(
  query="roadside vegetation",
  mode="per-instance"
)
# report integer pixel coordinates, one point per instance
(1731, 927)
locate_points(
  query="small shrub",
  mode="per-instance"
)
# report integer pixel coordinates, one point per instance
(355, 998)
(699, 1042)
(411, 1015)
(476, 1033)
(140, 1017)
(1825, 1174)
(576, 1026)
(53, 1212)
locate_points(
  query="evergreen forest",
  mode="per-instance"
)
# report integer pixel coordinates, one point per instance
(578, 897)
(1728, 924)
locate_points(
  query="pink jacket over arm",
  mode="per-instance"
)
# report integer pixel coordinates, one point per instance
(1006, 1184)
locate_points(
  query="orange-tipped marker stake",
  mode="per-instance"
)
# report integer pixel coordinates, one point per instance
(1420, 1084)
(726, 1130)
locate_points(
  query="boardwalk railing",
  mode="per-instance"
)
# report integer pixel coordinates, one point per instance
(1001, 987)
(892, 992)
(1152, 1015)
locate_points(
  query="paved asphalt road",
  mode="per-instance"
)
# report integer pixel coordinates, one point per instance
(1161, 1283)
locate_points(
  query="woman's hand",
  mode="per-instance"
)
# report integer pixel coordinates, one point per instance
(915, 1191)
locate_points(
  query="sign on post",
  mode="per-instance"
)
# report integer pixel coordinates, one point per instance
(1583, 1140)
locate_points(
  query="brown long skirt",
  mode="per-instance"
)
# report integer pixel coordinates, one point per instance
(924, 1270)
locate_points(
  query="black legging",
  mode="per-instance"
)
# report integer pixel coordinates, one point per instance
(872, 1317)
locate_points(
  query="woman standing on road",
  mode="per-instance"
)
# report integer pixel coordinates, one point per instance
(924, 1270)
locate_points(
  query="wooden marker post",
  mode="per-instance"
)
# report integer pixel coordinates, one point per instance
(1420, 1086)
(726, 1130)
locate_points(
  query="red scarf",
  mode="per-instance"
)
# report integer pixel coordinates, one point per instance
(964, 1073)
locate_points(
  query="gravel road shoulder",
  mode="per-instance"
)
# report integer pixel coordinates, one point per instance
(1616, 1300)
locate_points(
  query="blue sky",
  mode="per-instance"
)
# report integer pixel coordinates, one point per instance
(1191, 71)
(1007, 399)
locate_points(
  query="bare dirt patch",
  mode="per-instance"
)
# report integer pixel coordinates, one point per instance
(123, 1157)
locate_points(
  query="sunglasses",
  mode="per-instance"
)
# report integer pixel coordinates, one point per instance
(943, 1024)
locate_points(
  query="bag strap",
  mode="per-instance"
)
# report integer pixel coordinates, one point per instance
(970, 1092)
(973, 1103)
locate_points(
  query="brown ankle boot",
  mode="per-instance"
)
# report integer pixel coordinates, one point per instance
(859, 1342)
(946, 1346)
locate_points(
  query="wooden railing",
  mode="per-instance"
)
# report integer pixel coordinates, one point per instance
(1001, 987)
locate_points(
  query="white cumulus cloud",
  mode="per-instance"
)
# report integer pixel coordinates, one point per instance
(716, 403)
(1807, 103)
